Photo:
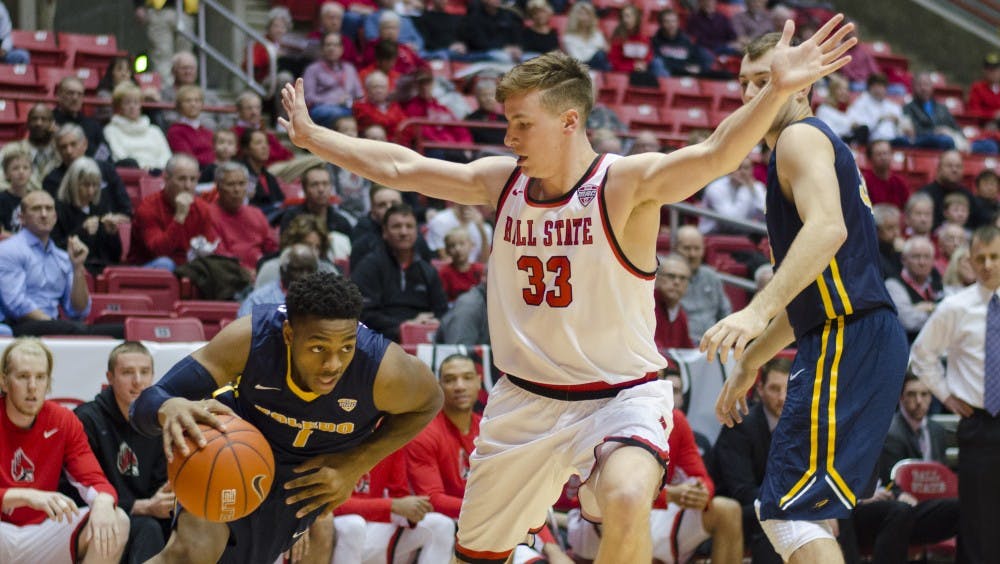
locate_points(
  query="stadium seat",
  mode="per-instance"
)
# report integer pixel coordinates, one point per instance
(738, 297)
(19, 79)
(411, 333)
(685, 92)
(10, 123)
(211, 313)
(151, 79)
(160, 285)
(611, 87)
(89, 51)
(641, 116)
(113, 303)
(653, 96)
(726, 95)
(926, 480)
(49, 77)
(180, 329)
(726, 245)
(42, 46)
(150, 185)
(685, 120)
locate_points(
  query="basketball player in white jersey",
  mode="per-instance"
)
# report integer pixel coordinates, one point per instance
(570, 290)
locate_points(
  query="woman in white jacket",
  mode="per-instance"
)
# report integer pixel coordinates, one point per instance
(130, 134)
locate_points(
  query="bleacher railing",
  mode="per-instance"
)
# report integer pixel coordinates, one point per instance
(200, 39)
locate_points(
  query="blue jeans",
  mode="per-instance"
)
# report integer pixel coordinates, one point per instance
(17, 57)
(162, 263)
(326, 114)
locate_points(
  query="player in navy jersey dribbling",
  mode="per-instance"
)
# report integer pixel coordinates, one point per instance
(828, 296)
(331, 396)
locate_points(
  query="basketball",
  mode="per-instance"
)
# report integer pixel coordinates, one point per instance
(229, 477)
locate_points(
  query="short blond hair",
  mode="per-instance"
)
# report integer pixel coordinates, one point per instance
(29, 346)
(563, 81)
(122, 91)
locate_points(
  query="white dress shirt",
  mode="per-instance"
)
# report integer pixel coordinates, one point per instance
(957, 328)
(881, 116)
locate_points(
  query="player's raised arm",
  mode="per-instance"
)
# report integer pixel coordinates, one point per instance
(406, 390)
(674, 177)
(808, 178)
(393, 165)
(169, 406)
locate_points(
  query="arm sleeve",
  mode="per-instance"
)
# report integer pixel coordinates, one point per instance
(81, 465)
(159, 241)
(67, 297)
(425, 476)
(15, 301)
(92, 427)
(368, 278)
(930, 345)
(911, 318)
(309, 84)
(439, 300)
(371, 508)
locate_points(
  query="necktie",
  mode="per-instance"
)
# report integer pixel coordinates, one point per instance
(991, 372)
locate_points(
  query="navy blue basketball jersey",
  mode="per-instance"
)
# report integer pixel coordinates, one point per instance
(297, 423)
(852, 282)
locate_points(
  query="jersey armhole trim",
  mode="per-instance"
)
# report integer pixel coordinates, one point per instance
(511, 180)
(613, 240)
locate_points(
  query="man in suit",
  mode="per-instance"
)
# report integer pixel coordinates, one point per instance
(891, 519)
(740, 455)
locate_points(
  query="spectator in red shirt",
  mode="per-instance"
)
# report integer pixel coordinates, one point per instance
(166, 221)
(631, 50)
(188, 134)
(984, 94)
(672, 279)
(459, 275)
(425, 105)
(884, 186)
(438, 458)
(243, 230)
(42, 440)
(407, 59)
(712, 29)
(375, 108)
(248, 116)
(394, 524)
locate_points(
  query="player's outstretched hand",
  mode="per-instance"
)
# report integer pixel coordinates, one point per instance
(180, 416)
(731, 405)
(735, 332)
(795, 68)
(293, 99)
(328, 481)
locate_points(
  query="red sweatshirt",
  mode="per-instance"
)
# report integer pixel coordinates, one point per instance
(685, 462)
(374, 492)
(438, 463)
(36, 457)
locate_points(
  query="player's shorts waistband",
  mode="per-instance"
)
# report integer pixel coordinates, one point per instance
(581, 392)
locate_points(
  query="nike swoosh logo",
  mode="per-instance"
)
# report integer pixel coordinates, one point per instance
(796, 375)
(298, 534)
(259, 387)
(50, 432)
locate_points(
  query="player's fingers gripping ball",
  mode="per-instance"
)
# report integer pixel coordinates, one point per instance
(229, 477)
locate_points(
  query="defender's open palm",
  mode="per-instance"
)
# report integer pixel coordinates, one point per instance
(293, 99)
(795, 68)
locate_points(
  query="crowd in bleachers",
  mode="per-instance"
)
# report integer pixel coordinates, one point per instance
(147, 206)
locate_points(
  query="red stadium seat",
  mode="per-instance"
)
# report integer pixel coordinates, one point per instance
(49, 77)
(161, 286)
(611, 87)
(926, 480)
(411, 333)
(42, 46)
(89, 51)
(211, 313)
(685, 120)
(716, 245)
(111, 303)
(150, 185)
(150, 79)
(639, 116)
(685, 92)
(181, 329)
(726, 95)
(19, 79)
(10, 123)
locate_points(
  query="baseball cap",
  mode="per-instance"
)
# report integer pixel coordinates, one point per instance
(991, 60)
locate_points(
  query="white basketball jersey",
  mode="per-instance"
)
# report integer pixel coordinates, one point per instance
(566, 307)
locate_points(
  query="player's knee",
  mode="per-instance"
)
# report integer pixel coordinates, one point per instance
(726, 515)
(440, 526)
(625, 499)
(789, 536)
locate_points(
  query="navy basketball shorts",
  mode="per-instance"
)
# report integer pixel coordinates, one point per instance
(843, 389)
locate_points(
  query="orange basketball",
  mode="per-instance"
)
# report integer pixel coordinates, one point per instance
(227, 478)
